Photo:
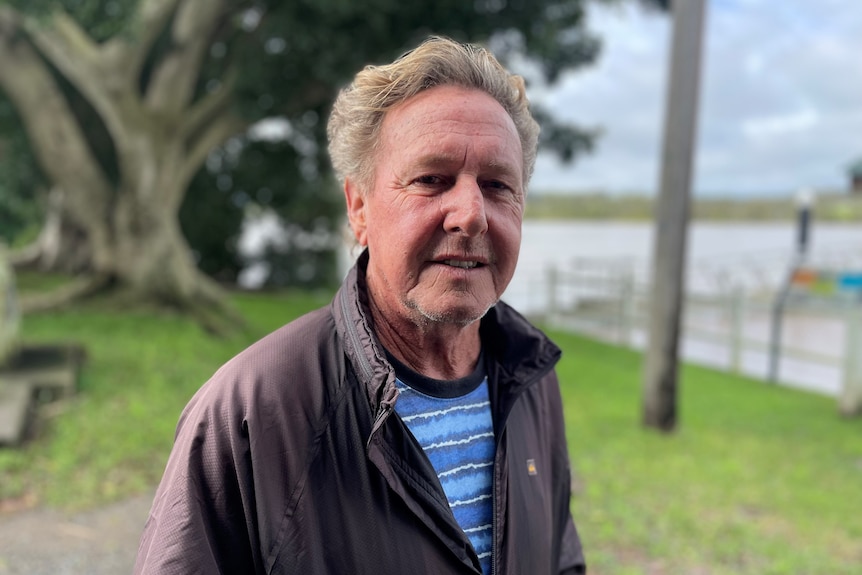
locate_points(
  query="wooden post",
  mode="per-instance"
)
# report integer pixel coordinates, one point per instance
(553, 279)
(626, 308)
(850, 401)
(672, 212)
(737, 328)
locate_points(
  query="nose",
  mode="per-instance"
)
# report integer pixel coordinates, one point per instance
(464, 208)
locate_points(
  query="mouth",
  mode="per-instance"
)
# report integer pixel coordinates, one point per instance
(463, 264)
(461, 261)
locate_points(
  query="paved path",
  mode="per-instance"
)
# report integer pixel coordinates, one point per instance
(99, 542)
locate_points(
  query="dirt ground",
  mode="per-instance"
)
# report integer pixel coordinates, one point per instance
(98, 542)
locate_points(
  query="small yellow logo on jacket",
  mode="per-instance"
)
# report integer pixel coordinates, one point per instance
(531, 467)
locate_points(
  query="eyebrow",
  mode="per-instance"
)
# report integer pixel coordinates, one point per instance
(436, 160)
(443, 160)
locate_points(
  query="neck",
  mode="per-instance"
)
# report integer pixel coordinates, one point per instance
(437, 350)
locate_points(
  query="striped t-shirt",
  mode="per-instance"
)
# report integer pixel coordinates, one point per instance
(451, 420)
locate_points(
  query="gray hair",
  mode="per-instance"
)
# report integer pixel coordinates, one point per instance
(357, 115)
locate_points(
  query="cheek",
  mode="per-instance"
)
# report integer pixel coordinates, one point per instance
(392, 243)
(508, 228)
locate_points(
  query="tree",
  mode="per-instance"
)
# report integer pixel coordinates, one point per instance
(121, 112)
(123, 228)
(18, 176)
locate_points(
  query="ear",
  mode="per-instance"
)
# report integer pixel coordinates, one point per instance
(356, 211)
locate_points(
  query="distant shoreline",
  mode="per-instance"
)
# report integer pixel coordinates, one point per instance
(834, 207)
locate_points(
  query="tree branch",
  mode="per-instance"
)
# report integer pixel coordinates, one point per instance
(81, 61)
(66, 46)
(55, 136)
(148, 24)
(208, 108)
(73, 38)
(30, 255)
(27, 256)
(172, 85)
(79, 288)
(215, 134)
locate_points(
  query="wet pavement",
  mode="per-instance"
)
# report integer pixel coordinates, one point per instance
(102, 541)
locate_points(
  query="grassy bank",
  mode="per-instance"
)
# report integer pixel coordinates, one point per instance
(833, 207)
(758, 480)
(112, 439)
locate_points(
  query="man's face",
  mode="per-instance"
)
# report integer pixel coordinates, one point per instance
(442, 217)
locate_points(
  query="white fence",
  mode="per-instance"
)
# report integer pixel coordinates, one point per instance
(725, 328)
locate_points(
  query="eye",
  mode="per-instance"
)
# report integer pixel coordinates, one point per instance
(431, 181)
(496, 186)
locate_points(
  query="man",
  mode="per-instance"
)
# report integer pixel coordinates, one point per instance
(415, 425)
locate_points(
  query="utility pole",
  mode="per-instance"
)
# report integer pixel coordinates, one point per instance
(671, 220)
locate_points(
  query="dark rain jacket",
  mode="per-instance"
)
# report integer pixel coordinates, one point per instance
(291, 460)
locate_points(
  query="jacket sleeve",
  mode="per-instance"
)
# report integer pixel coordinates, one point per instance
(200, 521)
(571, 554)
(571, 560)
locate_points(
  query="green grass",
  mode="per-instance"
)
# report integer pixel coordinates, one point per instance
(32, 282)
(112, 440)
(758, 480)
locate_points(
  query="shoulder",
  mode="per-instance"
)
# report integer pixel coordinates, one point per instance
(303, 345)
(248, 433)
(298, 366)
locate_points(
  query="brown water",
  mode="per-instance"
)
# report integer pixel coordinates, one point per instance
(722, 257)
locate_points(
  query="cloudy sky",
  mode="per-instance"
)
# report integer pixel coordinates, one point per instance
(781, 99)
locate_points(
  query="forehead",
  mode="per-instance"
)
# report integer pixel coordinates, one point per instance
(451, 121)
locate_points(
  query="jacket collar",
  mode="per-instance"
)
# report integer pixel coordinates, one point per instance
(518, 354)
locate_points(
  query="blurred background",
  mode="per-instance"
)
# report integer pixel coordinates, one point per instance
(166, 199)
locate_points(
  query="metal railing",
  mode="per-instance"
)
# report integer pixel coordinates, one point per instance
(727, 329)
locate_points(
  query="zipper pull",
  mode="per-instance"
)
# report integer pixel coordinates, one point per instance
(387, 406)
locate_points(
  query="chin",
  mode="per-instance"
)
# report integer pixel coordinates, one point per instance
(460, 316)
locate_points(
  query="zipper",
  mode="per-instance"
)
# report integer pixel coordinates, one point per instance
(354, 337)
(386, 405)
(382, 413)
(494, 547)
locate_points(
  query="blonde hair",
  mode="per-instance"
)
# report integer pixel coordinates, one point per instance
(357, 115)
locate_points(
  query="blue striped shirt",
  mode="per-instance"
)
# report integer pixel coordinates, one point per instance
(457, 434)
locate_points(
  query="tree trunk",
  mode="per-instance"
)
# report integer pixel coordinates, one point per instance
(61, 246)
(151, 258)
(144, 256)
(123, 234)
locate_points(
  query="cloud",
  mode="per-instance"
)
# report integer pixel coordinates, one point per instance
(780, 125)
(781, 99)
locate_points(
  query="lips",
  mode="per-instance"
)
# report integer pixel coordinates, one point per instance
(466, 260)
(467, 265)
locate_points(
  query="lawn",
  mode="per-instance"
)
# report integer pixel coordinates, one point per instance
(757, 480)
(112, 440)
